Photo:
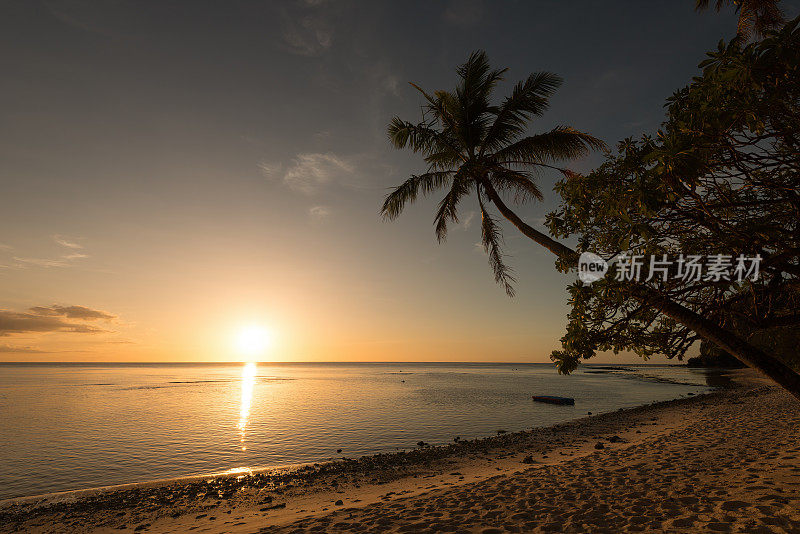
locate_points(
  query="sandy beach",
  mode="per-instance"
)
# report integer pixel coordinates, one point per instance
(728, 462)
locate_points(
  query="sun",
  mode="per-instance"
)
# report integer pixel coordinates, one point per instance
(253, 340)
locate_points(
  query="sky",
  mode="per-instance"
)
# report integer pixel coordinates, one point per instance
(172, 172)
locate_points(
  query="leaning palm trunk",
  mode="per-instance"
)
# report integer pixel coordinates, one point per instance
(708, 330)
(472, 145)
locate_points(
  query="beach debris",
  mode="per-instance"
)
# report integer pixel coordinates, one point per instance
(338, 451)
(501, 432)
(339, 503)
(599, 445)
(616, 439)
(588, 413)
(422, 444)
(457, 439)
(528, 459)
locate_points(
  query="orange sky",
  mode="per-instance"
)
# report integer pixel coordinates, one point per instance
(168, 177)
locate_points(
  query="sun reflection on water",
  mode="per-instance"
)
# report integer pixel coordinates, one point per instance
(248, 381)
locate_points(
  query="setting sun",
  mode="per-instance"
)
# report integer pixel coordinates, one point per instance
(253, 340)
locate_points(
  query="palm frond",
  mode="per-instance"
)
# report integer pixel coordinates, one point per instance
(448, 206)
(520, 183)
(407, 192)
(560, 143)
(439, 106)
(491, 237)
(444, 160)
(528, 98)
(420, 137)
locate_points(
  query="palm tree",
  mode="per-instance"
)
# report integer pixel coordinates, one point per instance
(474, 146)
(754, 15)
(471, 145)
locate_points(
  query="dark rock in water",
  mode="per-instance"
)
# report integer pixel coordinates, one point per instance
(273, 507)
(501, 432)
(599, 445)
(421, 444)
(457, 439)
(588, 413)
(339, 503)
(615, 439)
(528, 459)
(338, 450)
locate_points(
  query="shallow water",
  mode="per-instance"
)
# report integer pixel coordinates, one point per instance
(72, 426)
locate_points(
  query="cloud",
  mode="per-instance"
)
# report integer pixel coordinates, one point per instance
(64, 242)
(320, 212)
(41, 262)
(41, 319)
(310, 172)
(25, 350)
(463, 13)
(270, 170)
(309, 33)
(72, 312)
(467, 221)
(66, 259)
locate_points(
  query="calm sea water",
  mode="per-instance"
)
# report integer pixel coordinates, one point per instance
(74, 426)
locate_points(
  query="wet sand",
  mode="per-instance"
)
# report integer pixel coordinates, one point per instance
(727, 462)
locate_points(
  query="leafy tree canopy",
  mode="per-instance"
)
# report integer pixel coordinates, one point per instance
(722, 176)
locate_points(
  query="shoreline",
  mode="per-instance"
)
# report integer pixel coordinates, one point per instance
(721, 379)
(301, 468)
(238, 502)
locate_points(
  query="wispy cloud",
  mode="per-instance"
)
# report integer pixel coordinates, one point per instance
(72, 312)
(20, 350)
(309, 172)
(319, 213)
(466, 222)
(41, 262)
(66, 258)
(62, 261)
(463, 13)
(64, 242)
(56, 318)
(306, 28)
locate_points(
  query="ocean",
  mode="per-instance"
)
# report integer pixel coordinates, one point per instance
(76, 426)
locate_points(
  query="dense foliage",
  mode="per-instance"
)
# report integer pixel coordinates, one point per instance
(722, 176)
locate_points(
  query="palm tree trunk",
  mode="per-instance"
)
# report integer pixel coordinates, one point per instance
(708, 330)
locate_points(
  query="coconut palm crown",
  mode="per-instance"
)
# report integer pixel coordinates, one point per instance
(755, 16)
(474, 146)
